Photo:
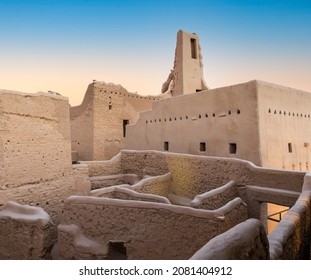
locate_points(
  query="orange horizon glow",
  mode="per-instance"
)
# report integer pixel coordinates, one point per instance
(63, 46)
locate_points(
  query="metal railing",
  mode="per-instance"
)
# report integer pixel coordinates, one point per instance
(278, 214)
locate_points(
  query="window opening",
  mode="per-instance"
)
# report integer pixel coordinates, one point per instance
(290, 148)
(193, 43)
(125, 123)
(117, 251)
(232, 148)
(202, 146)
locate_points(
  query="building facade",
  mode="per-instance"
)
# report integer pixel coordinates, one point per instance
(261, 122)
(99, 124)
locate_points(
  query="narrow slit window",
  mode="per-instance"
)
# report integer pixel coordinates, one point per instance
(290, 148)
(166, 146)
(193, 43)
(125, 123)
(232, 148)
(110, 107)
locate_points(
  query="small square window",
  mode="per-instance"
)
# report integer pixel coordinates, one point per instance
(202, 146)
(166, 146)
(232, 148)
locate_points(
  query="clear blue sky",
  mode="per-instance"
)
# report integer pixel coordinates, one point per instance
(63, 45)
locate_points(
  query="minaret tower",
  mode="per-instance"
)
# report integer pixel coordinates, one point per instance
(187, 74)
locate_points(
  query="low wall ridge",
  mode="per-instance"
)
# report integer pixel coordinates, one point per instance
(198, 198)
(218, 214)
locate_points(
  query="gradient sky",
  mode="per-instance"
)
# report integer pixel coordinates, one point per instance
(64, 45)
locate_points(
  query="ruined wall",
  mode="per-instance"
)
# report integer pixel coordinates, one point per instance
(187, 74)
(113, 180)
(107, 167)
(291, 238)
(128, 194)
(158, 185)
(143, 163)
(81, 126)
(99, 124)
(215, 198)
(36, 138)
(245, 241)
(35, 155)
(192, 175)
(149, 230)
(82, 181)
(284, 118)
(218, 122)
(24, 232)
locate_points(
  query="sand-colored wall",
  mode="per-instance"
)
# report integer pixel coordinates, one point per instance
(284, 117)
(149, 230)
(291, 237)
(97, 124)
(24, 232)
(158, 185)
(35, 155)
(215, 198)
(113, 180)
(192, 175)
(142, 163)
(81, 126)
(35, 138)
(245, 241)
(105, 167)
(215, 117)
(125, 193)
(188, 66)
(271, 117)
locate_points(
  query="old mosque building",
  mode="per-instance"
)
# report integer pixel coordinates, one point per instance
(126, 176)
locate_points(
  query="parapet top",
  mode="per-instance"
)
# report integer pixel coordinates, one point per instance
(50, 94)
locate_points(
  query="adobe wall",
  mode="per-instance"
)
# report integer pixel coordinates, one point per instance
(81, 126)
(125, 193)
(113, 180)
(149, 230)
(192, 175)
(245, 241)
(97, 124)
(35, 138)
(35, 154)
(105, 167)
(203, 123)
(187, 74)
(142, 163)
(284, 117)
(24, 232)
(291, 238)
(215, 198)
(158, 185)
